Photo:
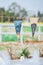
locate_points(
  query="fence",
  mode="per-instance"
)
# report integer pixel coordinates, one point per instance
(22, 32)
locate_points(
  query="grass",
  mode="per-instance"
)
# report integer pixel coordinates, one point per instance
(10, 38)
(28, 29)
(25, 28)
(4, 47)
(41, 28)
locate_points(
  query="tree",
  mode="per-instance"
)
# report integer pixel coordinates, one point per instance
(23, 13)
(14, 8)
(39, 14)
(17, 10)
(2, 12)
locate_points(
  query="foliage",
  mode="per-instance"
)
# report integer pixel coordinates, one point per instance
(25, 52)
(35, 39)
(17, 10)
(13, 11)
(4, 47)
(39, 14)
(6, 38)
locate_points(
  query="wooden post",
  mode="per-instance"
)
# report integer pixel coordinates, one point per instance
(39, 33)
(21, 35)
(8, 19)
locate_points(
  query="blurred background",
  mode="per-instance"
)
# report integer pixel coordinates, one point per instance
(9, 10)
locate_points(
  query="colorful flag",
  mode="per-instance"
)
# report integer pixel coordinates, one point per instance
(18, 24)
(33, 27)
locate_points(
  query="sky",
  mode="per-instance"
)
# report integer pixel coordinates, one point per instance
(30, 5)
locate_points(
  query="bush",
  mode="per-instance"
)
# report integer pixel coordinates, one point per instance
(25, 52)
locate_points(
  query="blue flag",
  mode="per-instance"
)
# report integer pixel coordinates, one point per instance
(18, 24)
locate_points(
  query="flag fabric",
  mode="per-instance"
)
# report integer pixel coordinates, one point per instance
(33, 27)
(17, 24)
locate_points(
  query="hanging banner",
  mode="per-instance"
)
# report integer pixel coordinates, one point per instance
(18, 24)
(33, 21)
(33, 27)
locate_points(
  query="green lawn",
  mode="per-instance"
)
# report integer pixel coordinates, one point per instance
(13, 38)
(28, 29)
(4, 47)
(25, 29)
(8, 37)
(41, 28)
